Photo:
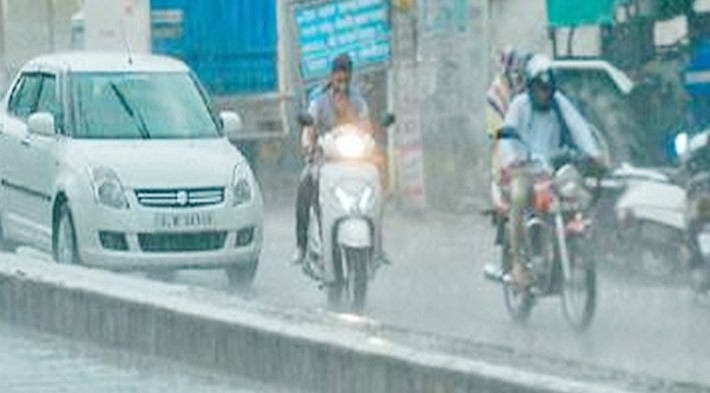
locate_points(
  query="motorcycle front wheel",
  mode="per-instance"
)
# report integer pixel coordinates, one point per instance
(579, 289)
(519, 303)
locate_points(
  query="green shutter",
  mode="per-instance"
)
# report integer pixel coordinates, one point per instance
(580, 12)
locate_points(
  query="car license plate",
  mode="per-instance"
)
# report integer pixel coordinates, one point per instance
(704, 243)
(187, 220)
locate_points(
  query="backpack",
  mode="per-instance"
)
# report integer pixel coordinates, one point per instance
(566, 139)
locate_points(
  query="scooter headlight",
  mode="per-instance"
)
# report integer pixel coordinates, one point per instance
(351, 145)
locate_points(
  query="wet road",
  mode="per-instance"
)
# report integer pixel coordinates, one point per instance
(38, 363)
(435, 285)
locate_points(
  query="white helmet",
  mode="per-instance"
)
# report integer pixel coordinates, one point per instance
(539, 68)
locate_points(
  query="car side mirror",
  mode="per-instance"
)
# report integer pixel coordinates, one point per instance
(388, 120)
(42, 124)
(232, 124)
(305, 120)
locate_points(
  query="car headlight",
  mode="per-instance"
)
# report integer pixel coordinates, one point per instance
(351, 145)
(108, 189)
(242, 191)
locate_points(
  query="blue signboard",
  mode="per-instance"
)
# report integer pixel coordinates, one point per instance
(327, 29)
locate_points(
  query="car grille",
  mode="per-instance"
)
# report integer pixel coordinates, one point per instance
(181, 242)
(193, 197)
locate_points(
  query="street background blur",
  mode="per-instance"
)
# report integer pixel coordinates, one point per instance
(435, 62)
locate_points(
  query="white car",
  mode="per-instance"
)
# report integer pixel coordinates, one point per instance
(118, 161)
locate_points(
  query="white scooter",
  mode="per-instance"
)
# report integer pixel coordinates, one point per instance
(343, 239)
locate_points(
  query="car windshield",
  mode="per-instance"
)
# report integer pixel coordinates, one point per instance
(139, 106)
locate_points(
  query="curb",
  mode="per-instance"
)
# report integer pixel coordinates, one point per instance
(171, 321)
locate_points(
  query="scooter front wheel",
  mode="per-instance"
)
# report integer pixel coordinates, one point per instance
(357, 261)
(350, 286)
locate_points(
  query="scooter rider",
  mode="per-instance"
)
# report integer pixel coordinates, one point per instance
(327, 109)
(544, 120)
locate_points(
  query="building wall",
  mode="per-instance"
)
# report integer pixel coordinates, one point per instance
(521, 23)
(441, 69)
(31, 28)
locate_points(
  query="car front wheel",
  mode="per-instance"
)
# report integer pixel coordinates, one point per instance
(242, 276)
(65, 248)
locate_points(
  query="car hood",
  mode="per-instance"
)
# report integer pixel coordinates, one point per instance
(163, 164)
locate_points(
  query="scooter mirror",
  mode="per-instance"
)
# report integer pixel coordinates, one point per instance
(306, 120)
(507, 133)
(388, 120)
(681, 144)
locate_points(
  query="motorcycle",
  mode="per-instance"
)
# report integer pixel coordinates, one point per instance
(694, 154)
(555, 232)
(343, 236)
(650, 223)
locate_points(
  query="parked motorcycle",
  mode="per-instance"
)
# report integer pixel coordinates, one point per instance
(694, 154)
(343, 236)
(554, 244)
(650, 223)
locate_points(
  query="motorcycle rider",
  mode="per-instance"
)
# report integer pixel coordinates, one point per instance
(339, 102)
(543, 121)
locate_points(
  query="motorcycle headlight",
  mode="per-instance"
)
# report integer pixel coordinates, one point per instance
(351, 145)
(242, 191)
(569, 189)
(108, 189)
(568, 182)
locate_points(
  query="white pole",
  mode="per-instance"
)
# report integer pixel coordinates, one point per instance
(3, 64)
(283, 70)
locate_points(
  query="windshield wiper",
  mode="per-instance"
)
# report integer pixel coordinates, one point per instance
(135, 115)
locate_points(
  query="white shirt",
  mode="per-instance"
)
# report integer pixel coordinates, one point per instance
(541, 131)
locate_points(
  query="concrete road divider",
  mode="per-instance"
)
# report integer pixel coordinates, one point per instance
(220, 331)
